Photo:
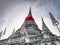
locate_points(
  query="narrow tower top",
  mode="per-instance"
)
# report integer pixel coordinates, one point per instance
(44, 27)
(30, 12)
(54, 21)
(29, 17)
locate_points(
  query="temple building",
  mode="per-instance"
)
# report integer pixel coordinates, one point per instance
(30, 34)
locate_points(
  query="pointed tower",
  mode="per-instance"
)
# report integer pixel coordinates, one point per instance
(29, 17)
(29, 27)
(4, 31)
(44, 27)
(45, 31)
(54, 21)
(30, 12)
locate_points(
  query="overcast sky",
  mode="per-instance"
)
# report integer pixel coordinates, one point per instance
(14, 12)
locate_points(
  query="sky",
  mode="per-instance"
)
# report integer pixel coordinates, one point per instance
(14, 12)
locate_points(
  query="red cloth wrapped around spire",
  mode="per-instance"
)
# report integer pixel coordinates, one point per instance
(29, 18)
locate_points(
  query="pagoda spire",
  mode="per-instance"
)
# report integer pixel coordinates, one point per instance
(54, 21)
(4, 31)
(30, 14)
(45, 30)
(44, 27)
(29, 17)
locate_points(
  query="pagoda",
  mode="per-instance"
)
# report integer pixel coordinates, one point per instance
(30, 34)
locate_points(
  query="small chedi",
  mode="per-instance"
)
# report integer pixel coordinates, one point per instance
(30, 34)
